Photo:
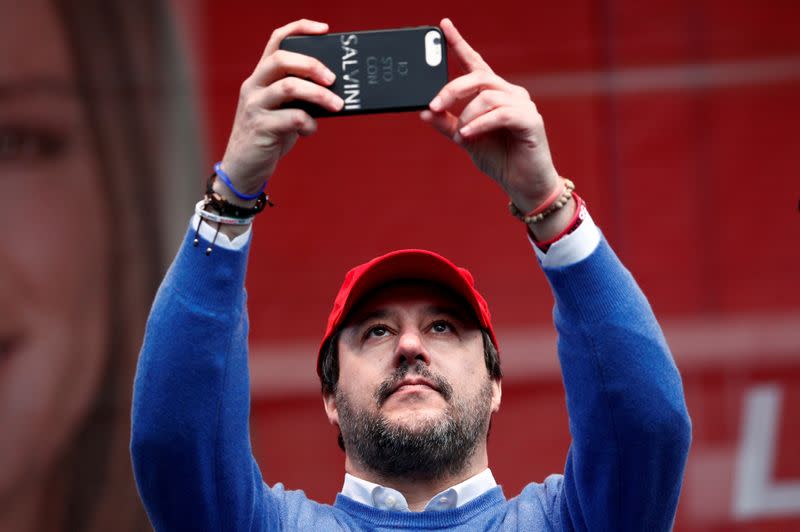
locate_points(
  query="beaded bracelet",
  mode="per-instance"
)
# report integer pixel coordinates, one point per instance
(557, 199)
(226, 212)
(226, 208)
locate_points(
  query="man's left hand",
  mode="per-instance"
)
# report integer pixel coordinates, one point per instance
(498, 125)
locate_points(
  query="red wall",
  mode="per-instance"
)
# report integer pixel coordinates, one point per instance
(679, 125)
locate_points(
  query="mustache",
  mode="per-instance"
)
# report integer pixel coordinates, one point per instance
(387, 387)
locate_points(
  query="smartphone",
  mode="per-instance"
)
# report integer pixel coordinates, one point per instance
(379, 71)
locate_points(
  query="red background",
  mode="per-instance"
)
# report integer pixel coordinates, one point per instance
(678, 122)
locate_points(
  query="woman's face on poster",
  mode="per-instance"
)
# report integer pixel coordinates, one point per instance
(54, 247)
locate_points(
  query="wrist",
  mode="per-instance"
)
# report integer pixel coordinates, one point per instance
(554, 224)
(527, 200)
(572, 225)
(241, 192)
(553, 215)
(227, 194)
(224, 208)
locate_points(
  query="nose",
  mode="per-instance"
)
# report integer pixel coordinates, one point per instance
(411, 348)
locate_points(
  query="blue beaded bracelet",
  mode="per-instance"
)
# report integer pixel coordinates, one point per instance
(227, 180)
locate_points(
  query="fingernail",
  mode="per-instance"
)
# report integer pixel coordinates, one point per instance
(466, 130)
(330, 77)
(436, 104)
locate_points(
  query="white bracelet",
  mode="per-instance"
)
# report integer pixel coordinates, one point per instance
(200, 211)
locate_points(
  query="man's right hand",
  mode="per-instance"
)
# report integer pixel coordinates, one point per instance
(263, 132)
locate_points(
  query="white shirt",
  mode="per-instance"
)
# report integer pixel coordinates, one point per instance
(384, 498)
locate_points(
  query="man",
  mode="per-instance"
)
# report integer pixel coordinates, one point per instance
(408, 362)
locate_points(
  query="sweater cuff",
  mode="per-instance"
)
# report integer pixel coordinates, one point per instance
(214, 281)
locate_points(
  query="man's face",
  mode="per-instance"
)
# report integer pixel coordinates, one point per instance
(414, 395)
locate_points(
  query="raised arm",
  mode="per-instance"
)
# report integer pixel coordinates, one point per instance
(627, 414)
(190, 439)
(628, 417)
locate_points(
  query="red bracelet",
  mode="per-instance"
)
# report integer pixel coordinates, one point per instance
(549, 201)
(557, 199)
(577, 219)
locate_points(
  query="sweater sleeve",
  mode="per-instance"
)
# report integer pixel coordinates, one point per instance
(190, 440)
(627, 414)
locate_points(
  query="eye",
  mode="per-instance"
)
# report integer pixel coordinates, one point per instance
(24, 143)
(376, 331)
(441, 326)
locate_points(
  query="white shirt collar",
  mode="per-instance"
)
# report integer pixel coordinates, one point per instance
(385, 498)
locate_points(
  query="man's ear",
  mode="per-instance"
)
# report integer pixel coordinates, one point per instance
(497, 394)
(329, 402)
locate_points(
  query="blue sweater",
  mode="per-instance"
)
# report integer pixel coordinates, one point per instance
(191, 446)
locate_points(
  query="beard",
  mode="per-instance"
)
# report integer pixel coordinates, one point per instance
(434, 448)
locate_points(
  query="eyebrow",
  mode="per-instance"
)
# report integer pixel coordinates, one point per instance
(37, 86)
(377, 314)
(456, 312)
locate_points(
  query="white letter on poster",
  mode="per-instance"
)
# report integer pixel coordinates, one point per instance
(755, 492)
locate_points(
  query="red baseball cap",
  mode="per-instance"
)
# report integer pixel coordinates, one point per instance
(404, 264)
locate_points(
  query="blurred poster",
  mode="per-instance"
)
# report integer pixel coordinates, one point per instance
(96, 132)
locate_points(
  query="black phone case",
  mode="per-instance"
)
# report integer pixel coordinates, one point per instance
(377, 71)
